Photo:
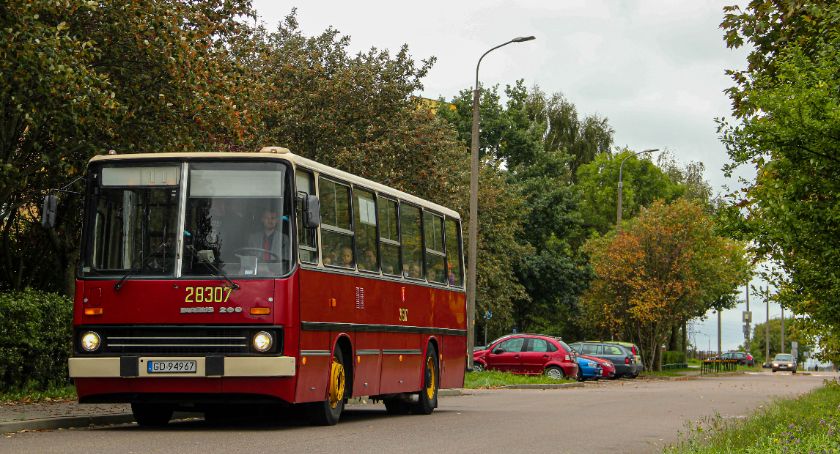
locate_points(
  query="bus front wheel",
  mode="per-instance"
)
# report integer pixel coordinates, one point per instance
(328, 411)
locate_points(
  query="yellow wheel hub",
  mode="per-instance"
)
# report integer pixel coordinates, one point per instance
(336, 383)
(432, 381)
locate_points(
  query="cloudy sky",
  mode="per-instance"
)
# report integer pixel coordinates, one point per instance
(655, 69)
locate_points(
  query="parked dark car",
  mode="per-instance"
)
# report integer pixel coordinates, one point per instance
(620, 356)
(628, 345)
(530, 354)
(743, 358)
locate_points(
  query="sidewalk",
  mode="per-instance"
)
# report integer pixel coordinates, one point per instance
(62, 414)
(65, 414)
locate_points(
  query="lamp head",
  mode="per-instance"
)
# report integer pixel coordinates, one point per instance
(522, 39)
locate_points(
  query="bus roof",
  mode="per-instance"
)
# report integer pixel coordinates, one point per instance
(283, 154)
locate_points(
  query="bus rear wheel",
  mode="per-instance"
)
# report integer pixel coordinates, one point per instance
(151, 415)
(428, 399)
(328, 411)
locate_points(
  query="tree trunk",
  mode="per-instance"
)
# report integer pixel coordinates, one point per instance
(673, 338)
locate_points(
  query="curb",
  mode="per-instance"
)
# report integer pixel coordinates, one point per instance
(544, 386)
(66, 422)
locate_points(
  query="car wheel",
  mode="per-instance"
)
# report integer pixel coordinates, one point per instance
(478, 367)
(555, 373)
(793, 371)
(328, 411)
(428, 398)
(151, 415)
(774, 371)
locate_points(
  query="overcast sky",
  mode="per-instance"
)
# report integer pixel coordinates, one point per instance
(654, 69)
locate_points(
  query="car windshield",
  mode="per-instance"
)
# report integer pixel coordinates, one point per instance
(783, 357)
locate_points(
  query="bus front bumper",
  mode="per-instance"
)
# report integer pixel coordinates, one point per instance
(181, 366)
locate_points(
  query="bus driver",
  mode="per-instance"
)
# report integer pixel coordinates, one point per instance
(270, 240)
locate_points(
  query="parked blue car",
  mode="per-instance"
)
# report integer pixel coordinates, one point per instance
(588, 369)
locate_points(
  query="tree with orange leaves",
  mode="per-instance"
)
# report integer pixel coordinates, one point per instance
(666, 267)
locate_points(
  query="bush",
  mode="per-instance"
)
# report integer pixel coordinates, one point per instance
(35, 340)
(673, 357)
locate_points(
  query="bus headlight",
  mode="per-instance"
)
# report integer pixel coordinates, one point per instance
(262, 341)
(90, 341)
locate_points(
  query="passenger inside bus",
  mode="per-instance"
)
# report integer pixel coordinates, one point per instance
(346, 257)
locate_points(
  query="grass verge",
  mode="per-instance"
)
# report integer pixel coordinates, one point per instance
(666, 373)
(64, 393)
(496, 379)
(810, 423)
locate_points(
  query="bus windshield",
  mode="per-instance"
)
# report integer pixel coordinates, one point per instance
(134, 224)
(237, 220)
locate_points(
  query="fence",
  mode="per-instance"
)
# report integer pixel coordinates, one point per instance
(710, 366)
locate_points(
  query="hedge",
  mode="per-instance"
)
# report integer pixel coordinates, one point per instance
(673, 357)
(35, 340)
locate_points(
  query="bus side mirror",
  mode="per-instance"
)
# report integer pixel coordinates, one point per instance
(312, 212)
(48, 210)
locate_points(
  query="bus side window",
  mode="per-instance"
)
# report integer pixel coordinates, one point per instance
(307, 239)
(435, 257)
(365, 217)
(389, 237)
(336, 228)
(412, 241)
(454, 258)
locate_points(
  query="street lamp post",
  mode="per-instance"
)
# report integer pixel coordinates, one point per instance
(621, 185)
(473, 227)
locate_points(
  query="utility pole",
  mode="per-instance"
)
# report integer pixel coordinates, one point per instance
(783, 328)
(767, 326)
(747, 319)
(719, 344)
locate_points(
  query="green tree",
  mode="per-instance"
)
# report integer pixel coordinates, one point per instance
(787, 103)
(667, 267)
(540, 139)
(643, 182)
(80, 78)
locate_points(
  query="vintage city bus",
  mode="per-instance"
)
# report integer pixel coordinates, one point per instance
(213, 279)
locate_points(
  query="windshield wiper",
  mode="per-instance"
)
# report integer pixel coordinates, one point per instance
(118, 285)
(202, 258)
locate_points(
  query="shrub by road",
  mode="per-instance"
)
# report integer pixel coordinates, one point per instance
(35, 340)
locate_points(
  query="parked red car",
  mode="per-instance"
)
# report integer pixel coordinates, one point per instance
(528, 354)
(607, 367)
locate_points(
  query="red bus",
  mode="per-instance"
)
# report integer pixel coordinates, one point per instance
(213, 279)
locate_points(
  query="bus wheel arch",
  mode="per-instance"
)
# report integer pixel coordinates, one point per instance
(339, 386)
(343, 344)
(427, 399)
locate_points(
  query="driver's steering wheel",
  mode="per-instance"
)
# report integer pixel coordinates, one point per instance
(261, 251)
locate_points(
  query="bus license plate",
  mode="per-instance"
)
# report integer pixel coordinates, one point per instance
(171, 367)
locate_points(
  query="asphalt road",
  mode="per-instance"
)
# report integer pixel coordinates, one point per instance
(622, 416)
